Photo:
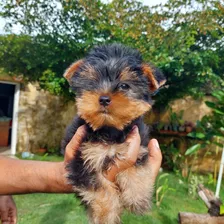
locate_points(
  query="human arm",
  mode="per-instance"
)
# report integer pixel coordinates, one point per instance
(19, 176)
(23, 176)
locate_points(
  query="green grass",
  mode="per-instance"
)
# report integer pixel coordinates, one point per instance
(66, 209)
(45, 157)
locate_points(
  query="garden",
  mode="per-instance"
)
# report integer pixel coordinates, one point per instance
(66, 209)
(184, 39)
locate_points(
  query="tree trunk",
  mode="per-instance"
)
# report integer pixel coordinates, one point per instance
(193, 218)
(212, 203)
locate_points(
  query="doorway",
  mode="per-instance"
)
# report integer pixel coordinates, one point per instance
(9, 102)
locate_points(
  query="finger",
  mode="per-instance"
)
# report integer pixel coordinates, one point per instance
(75, 142)
(133, 135)
(155, 157)
(133, 140)
(13, 216)
(4, 217)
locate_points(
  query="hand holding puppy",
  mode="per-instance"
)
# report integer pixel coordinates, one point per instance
(155, 156)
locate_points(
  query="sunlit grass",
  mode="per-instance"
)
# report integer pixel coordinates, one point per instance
(66, 208)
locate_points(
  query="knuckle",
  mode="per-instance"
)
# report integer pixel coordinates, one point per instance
(4, 219)
(131, 161)
(78, 133)
(67, 148)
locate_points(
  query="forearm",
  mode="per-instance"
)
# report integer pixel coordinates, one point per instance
(19, 176)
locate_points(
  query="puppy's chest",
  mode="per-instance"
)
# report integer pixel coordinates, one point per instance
(99, 156)
(103, 148)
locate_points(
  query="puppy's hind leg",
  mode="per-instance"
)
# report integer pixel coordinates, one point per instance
(103, 204)
(136, 186)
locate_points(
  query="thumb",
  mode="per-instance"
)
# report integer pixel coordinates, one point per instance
(75, 143)
(133, 140)
(155, 157)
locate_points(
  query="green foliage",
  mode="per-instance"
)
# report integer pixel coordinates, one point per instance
(162, 189)
(211, 180)
(183, 38)
(176, 118)
(52, 83)
(33, 58)
(172, 158)
(211, 127)
(222, 210)
(193, 183)
(19, 55)
(193, 149)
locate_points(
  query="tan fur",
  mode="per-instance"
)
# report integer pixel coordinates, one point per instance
(136, 186)
(147, 71)
(127, 74)
(89, 72)
(72, 69)
(119, 113)
(104, 205)
(133, 188)
(94, 155)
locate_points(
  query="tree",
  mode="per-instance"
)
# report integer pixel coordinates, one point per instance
(183, 38)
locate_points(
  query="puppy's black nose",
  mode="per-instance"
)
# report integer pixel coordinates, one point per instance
(104, 100)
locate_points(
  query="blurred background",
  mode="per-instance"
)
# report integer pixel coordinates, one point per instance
(185, 38)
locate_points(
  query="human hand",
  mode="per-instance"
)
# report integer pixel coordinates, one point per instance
(70, 152)
(8, 211)
(134, 140)
(74, 144)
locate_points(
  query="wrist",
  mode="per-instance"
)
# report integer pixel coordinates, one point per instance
(50, 178)
(59, 177)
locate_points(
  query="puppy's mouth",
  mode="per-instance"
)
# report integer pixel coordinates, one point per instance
(118, 113)
(104, 110)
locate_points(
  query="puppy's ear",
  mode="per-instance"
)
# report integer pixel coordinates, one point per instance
(154, 75)
(70, 71)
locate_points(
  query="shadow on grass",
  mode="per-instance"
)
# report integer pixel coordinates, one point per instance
(168, 220)
(57, 214)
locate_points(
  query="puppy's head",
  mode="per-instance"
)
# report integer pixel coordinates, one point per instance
(113, 86)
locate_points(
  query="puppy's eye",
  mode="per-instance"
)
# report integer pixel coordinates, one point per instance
(124, 86)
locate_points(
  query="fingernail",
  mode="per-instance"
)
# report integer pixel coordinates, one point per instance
(83, 127)
(134, 128)
(156, 144)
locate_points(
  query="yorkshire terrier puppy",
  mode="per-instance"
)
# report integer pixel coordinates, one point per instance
(113, 88)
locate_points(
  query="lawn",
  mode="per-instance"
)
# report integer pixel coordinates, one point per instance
(66, 209)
